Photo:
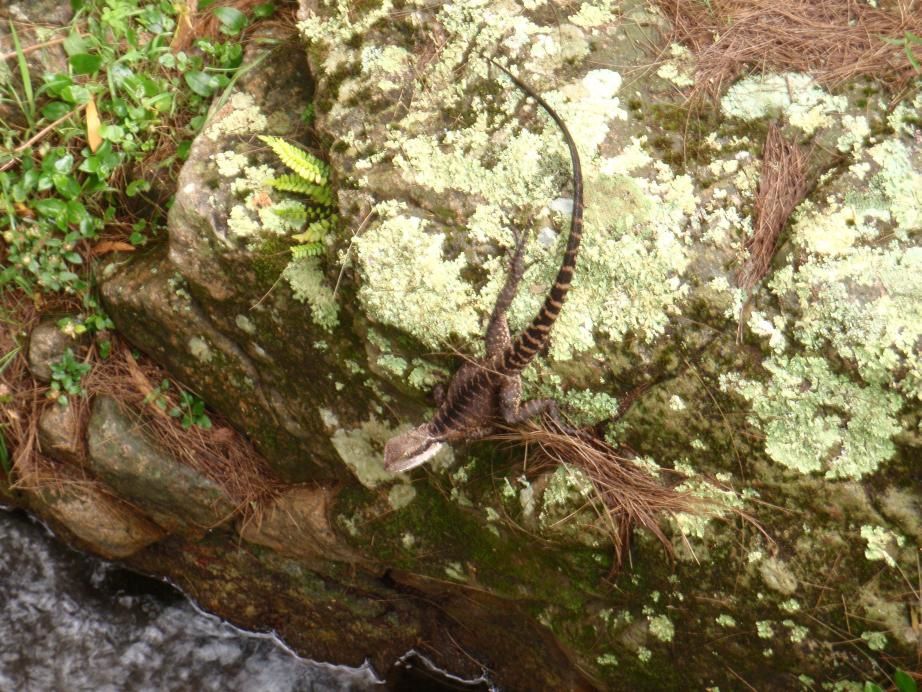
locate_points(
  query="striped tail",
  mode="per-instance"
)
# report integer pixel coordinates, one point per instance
(527, 344)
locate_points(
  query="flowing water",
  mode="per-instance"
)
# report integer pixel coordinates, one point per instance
(72, 622)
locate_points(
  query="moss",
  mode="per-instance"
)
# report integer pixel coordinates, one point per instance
(269, 259)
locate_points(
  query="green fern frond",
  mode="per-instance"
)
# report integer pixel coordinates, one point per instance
(293, 183)
(316, 231)
(307, 250)
(301, 162)
(294, 213)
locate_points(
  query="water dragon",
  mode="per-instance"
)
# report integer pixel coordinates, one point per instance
(486, 391)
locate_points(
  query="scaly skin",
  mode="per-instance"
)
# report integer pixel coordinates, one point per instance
(485, 392)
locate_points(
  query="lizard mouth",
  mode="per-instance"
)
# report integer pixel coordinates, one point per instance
(401, 465)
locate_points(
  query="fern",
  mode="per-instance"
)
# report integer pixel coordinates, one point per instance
(306, 250)
(294, 183)
(316, 231)
(310, 178)
(306, 165)
(294, 213)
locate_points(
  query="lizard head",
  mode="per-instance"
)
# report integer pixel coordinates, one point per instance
(410, 449)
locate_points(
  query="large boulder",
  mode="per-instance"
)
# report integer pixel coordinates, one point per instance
(801, 399)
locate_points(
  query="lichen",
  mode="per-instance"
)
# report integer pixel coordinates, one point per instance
(200, 349)
(876, 641)
(725, 620)
(764, 629)
(240, 116)
(408, 283)
(309, 285)
(662, 628)
(362, 450)
(814, 419)
(879, 541)
(806, 105)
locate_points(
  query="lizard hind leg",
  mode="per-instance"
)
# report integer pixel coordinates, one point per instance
(498, 338)
(515, 411)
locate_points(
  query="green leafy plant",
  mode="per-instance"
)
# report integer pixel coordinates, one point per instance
(310, 178)
(191, 411)
(909, 42)
(158, 395)
(66, 376)
(68, 161)
(5, 461)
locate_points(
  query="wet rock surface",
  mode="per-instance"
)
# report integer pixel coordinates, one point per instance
(99, 521)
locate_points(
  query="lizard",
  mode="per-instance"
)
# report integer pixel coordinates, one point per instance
(489, 390)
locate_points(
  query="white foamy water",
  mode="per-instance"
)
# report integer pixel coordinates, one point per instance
(71, 622)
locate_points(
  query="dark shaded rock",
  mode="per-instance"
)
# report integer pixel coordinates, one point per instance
(175, 495)
(59, 433)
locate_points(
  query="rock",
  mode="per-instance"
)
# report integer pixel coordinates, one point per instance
(47, 344)
(103, 524)
(214, 309)
(297, 523)
(175, 495)
(59, 435)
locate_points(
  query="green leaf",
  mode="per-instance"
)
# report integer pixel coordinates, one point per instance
(85, 63)
(136, 186)
(75, 93)
(55, 110)
(66, 185)
(201, 83)
(903, 681)
(52, 208)
(114, 133)
(74, 44)
(871, 687)
(233, 21)
(263, 10)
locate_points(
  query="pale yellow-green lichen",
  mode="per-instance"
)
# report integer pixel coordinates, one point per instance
(309, 285)
(796, 633)
(876, 641)
(680, 70)
(806, 105)
(764, 629)
(880, 542)
(242, 117)
(725, 620)
(594, 13)
(400, 495)
(361, 450)
(625, 281)
(344, 23)
(662, 628)
(200, 349)
(778, 576)
(229, 163)
(408, 283)
(816, 420)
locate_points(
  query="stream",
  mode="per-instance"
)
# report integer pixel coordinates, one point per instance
(72, 622)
